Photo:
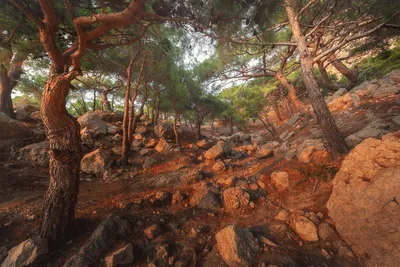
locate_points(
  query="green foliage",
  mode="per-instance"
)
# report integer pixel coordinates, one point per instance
(382, 64)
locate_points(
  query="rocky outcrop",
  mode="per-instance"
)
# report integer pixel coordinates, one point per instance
(121, 256)
(96, 162)
(308, 148)
(94, 124)
(364, 200)
(28, 252)
(23, 112)
(389, 85)
(220, 149)
(164, 130)
(376, 128)
(110, 230)
(237, 246)
(37, 153)
(13, 132)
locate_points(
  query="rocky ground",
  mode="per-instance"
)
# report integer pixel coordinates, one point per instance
(250, 199)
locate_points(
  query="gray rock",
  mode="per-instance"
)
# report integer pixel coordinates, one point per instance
(13, 132)
(37, 153)
(96, 162)
(94, 124)
(105, 235)
(206, 199)
(28, 252)
(148, 163)
(292, 120)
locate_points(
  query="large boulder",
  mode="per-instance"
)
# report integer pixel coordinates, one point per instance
(217, 151)
(364, 200)
(344, 101)
(108, 116)
(23, 112)
(13, 132)
(105, 235)
(28, 252)
(96, 162)
(376, 128)
(389, 85)
(37, 153)
(280, 180)
(163, 146)
(237, 246)
(94, 124)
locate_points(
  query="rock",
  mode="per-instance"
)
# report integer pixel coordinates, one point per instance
(13, 132)
(376, 128)
(151, 143)
(35, 116)
(325, 231)
(235, 197)
(96, 162)
(164, 130)
(86, 137)
(94, 124)
(108, 116)
(141, 130)
(138, 137)
(114, 129)
(202, 143)
(364, 200)
(305, 228)
(137, 143)
(345, 101)
(206, 199)
(37, 153)
(28, 252)
(292, 120)
(153, 231)
(241, 137)
(144, 151)
(386, 86)
(285, 135)
(116, 138)
(121, 256)
(396, 120)
(219, 166)
(237, 246)
(265, 151)
(162, 146)
(282, 215)
(217, 151)
(193, 176)
(280, 180)
(340, 92)
(148, 163)
(307, 148)
(109, 230)
(24, 111)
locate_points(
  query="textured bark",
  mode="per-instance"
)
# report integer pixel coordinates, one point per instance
(125, 121)
(212, 126)
(231, 125)
(325, 78)
(198, 127)
(329, 128)
(267, 125)
(104, 100)
(62, 130)
(94, 101)
(176, 117)
(276, 109)
(6, 105)
(291, 93)
(351, 74)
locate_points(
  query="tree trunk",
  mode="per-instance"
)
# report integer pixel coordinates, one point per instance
(178, 143)
(63, 132)
(157, 107)
(276, 109)
(324, 117)
(198, 127)
(325, 78)
(352, 75)
(94, 100)
(212, 125)
(268, 126)
(6, 105)
(231, 125)
(125, 121)
(83, 101)
(105, 101)
(291, 93)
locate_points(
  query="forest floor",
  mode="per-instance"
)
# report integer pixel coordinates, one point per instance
(22, 188)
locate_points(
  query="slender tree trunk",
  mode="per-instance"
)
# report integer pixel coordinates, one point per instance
(231, 125)
(6, 105)
(94, 100)
(112, 101)
(352, 75)
(157, 107)
(212, 125)
(276, 109)
(178, 143)
(291, 93)
(328, 125)
(125, 121)
(191, 126)
(83, 101)
(325, 78)
(105, 101)
(63, 132)
(198, 127)
(268, 126)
